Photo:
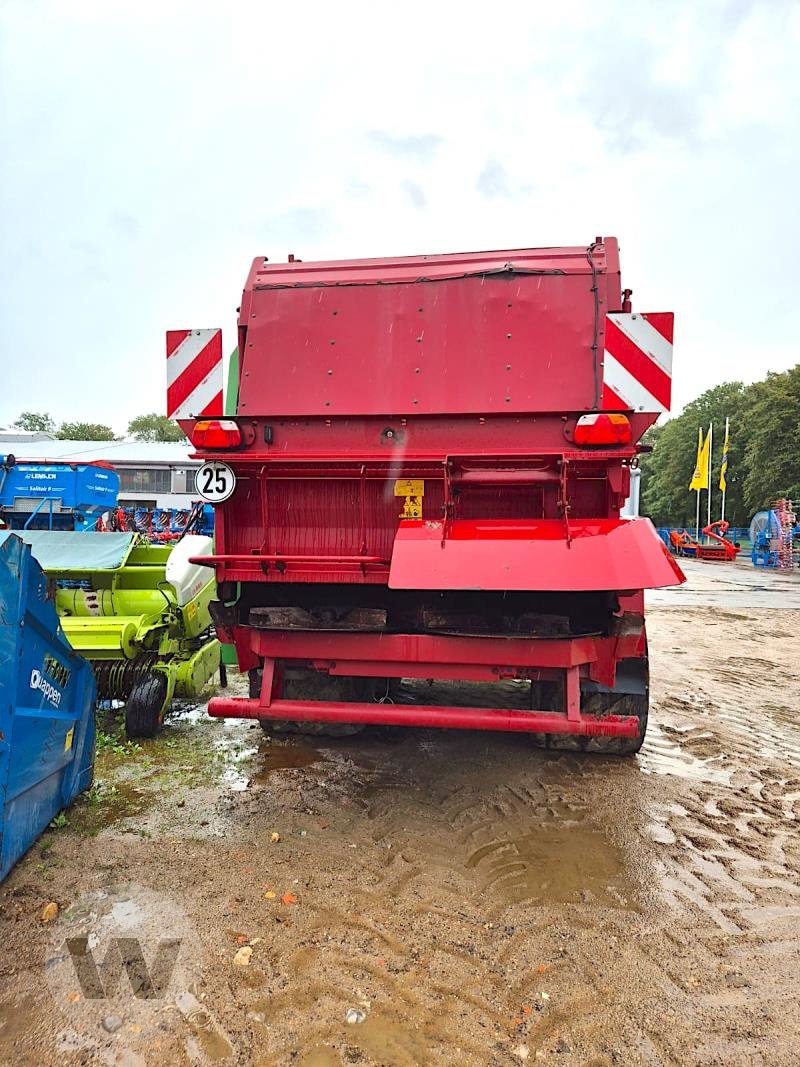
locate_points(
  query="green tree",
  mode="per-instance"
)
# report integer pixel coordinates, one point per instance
(772, 453)
(647, 461)
(763, 458)
(668, 470)
(154, 427)
(35, 422)
(85, 431)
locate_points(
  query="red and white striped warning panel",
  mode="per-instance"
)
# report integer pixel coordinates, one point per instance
(637, 367)
(194, 373)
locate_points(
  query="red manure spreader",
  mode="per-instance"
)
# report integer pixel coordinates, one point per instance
(419, 475)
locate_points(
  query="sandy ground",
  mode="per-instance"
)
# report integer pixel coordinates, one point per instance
(465, 898)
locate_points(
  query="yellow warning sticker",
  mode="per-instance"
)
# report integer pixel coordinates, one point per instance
(413, 489)
(409, 487)
(68, 739)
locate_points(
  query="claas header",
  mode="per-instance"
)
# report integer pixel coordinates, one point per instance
(418, 473)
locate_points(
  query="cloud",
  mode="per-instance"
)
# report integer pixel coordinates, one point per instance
(493, 180)
(126, 224)
(415, 193)
(416, 145)
(303, 222)
(673, 128)
(636, 105)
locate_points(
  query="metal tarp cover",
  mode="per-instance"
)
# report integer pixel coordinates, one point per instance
(76, 551)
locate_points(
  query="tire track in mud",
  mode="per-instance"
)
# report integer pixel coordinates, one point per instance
(466, 875)
(653, 901)
(475, 897)
(730, 852)
(476, 873)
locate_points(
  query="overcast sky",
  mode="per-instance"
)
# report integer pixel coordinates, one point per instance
(150, 150)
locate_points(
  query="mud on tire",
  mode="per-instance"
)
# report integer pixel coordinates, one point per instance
(550, 697)
(301, 684)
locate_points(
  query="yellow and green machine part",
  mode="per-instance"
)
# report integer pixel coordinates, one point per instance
(138, 612)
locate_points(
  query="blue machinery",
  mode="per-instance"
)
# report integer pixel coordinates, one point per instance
(772, 538)
(55, 496)
(52, 495)
(47, 699)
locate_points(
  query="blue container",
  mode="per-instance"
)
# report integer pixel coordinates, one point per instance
(47, 700)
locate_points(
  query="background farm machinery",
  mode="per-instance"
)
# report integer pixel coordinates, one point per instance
(138, 613)
(717, 548)
(128, 598)
(47, 495)
(160, 525)
(775, 536)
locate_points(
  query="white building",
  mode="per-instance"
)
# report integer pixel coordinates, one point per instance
(153, 475)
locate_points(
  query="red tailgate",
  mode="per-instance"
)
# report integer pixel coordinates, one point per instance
(601, 554)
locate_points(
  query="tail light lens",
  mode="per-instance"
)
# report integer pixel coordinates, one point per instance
(216, 433)
(601, 429)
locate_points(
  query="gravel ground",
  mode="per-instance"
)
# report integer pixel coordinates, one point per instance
(460, 898)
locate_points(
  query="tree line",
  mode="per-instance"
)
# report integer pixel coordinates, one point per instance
(150, 427)
(763, 457)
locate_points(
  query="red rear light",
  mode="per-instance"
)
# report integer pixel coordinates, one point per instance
(600, 429)
(216, 433)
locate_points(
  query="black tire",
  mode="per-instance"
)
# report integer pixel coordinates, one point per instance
(223, 675)
(600, 705)
(144, 710)
(303, 684)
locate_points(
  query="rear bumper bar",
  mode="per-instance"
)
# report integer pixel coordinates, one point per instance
(382, 655)
(447, 718)
(440, 657)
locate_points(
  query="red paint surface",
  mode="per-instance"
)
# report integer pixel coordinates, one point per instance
(443, 649)
(508, 331)
(468, 372)
(452, 718)
(531, 554)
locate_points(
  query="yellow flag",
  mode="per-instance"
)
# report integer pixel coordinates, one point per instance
(700, 476)
(723, 471)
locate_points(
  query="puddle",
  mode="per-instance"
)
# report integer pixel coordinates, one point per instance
(561, 861)
(187, 712)
(108, 803)
(249, 765)
(660, 833)
(275, 757)
(385, 1037)
(192, 749)
(659, 755)
(207, 1037)
(235, 774)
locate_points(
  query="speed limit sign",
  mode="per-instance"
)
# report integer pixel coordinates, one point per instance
(215, 482)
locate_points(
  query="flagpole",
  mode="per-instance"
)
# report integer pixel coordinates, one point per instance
(696, 482)
(725, 456)
(710, 449)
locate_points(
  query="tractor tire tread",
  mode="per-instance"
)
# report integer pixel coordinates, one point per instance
(144, 709)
